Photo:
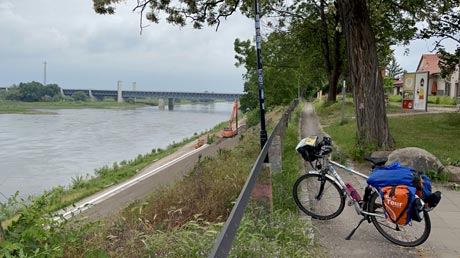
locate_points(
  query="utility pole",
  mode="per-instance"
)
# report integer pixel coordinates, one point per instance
(263, 131)
(44, 73)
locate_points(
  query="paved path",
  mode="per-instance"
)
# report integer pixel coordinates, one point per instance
(367, 242)
(160, 173)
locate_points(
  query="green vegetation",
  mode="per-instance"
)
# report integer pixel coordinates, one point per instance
(432, 100)
(436, 133)
(17, 107)
(395, 98)
(33, 92)
(179, 220)
(330, 113)
(442, 100)
(283, 182)
(83, 186)
(31, 97)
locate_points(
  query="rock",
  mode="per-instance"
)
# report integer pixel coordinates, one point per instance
(380, 154)
(455, 173)
(417, 158)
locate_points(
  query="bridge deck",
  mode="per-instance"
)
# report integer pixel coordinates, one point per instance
(157, 94)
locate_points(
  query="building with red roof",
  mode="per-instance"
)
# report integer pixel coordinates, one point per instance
(438, 86)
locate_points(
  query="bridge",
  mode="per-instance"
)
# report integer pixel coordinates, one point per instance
(161, 95)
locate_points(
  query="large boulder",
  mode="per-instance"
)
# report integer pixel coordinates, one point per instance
(455, 173)
(417, 158)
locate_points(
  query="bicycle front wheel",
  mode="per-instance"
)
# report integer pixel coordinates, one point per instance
(319, 196)
(410, 235)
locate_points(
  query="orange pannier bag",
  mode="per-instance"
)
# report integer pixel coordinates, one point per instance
(397, 203)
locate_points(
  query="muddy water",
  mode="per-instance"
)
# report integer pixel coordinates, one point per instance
(38, 152)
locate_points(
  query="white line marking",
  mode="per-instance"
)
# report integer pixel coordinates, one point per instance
(126, 184)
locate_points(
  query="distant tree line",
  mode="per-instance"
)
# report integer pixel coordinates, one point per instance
(33, 92)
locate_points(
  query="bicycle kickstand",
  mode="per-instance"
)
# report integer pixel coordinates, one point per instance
(353, 231)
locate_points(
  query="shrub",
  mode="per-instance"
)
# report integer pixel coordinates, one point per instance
(395, 98)
(79, 96)
(253, 117)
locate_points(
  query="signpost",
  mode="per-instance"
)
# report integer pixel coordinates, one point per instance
(415, 91)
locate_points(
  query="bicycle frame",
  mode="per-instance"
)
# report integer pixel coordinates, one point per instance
(322, 194)
(332, 174)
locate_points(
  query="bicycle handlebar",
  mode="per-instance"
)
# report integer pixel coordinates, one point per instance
(325, 147)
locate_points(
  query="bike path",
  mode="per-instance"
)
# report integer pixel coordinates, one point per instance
(445, 224)
(367, 241)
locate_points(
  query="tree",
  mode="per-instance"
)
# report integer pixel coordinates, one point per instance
(445, 26)
(393, 69)
(281, 69)
(34, 92)
(372, 124)
(366, 40)
(319, 21)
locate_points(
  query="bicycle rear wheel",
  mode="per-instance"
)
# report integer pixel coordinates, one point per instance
(318, 196)
(410, 235)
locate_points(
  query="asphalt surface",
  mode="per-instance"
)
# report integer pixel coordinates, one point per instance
(367, 241)
(160, 173)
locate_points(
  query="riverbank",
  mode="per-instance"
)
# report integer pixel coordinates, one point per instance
(183, 218)
(17, 107)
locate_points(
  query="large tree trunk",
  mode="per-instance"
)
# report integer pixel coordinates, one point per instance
(365, 76)
(332, 64)
(336, 63)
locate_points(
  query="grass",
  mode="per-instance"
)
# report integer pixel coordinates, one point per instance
(436, 133)
(181, 220)
(17, 107)
(283, 182)
(82, 187)
(432, 100)
(184, 219)
(331, 113)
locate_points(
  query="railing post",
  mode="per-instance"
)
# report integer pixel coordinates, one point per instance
(262, 193)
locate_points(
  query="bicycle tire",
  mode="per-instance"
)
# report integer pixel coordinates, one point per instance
(413, 234)
(332, 197)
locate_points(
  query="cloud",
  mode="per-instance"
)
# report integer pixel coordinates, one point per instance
(409, 56)
(84, 48)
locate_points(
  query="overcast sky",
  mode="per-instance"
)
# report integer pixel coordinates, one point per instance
(90, 51)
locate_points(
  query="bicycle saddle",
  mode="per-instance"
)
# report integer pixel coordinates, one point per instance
(377, 161)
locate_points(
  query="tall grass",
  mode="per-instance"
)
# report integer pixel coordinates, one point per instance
(200, 201)
(283, 182)
(179, 220)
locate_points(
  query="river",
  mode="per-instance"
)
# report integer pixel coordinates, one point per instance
(39, 152)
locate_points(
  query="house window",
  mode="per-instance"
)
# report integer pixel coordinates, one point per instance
(457, 86)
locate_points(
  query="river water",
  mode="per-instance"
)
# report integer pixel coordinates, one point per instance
(38, 152)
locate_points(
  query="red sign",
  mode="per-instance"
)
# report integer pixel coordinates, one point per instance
(408, 104)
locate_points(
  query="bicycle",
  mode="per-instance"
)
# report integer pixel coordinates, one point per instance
(322, 193)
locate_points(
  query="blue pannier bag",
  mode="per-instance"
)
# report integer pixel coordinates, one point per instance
(426, 186)
(394, 174)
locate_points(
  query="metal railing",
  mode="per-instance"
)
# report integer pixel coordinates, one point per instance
(227, 234)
